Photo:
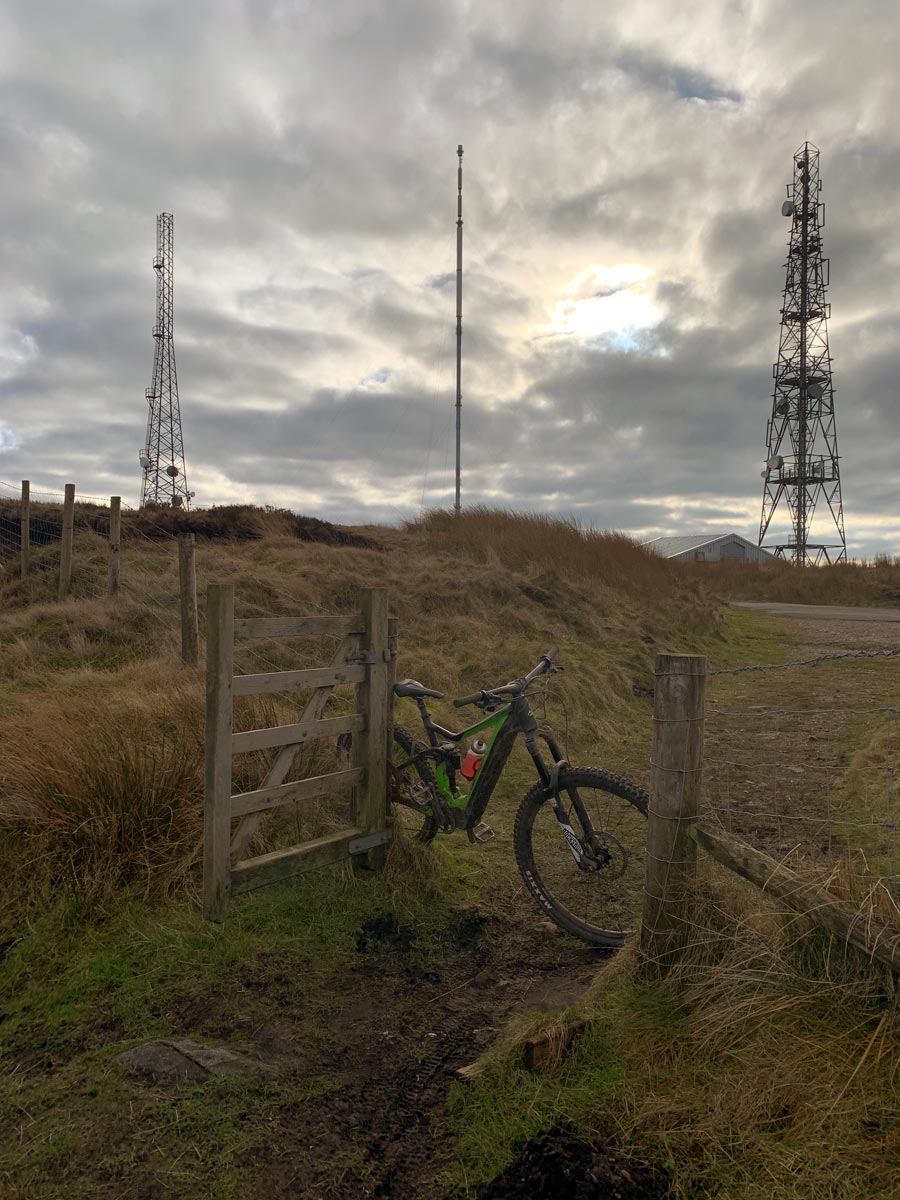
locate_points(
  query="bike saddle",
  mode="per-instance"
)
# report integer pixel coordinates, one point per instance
(411, 687)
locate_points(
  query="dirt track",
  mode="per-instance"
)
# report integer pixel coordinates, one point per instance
(824, 612)
(397, 1031)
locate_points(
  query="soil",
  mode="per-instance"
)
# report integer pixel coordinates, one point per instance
(557, 1165)
(398, 1027)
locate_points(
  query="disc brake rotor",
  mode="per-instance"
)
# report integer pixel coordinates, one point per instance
(608, 853)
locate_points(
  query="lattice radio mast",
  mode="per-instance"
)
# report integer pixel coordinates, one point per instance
(162, 458)
(802, 463)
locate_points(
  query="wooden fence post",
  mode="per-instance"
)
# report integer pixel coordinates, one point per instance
(187, 575)
(115, 539)
(373, 700)
(675, 772)
(65, 549)
(217, 793)
(25, 526)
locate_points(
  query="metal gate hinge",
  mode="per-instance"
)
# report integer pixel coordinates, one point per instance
(369, 840)
(370, 657)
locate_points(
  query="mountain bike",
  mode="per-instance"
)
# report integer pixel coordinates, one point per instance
(579, 833)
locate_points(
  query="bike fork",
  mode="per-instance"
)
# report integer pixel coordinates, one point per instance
(568, 832)
(550, 780)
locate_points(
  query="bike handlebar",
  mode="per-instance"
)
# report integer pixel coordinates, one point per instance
(515, 687)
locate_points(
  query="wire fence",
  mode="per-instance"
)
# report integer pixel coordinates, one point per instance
(45, 527)
(811, 777)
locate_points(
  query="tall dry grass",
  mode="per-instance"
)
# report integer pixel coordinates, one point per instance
(113, 796)
(876, 582)
(778, 1071)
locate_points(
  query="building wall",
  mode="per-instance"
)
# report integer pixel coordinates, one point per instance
(728, 547)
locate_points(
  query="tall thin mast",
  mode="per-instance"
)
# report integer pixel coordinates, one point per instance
(459, 244)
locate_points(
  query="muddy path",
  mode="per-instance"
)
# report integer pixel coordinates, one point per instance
(391, 1032)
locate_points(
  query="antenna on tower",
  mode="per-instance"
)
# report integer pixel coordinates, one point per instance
(459, 248)
(162, 457)
(802, 461)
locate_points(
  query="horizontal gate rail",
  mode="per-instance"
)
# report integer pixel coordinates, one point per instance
(289, 681)
(265, 799)
(273, 627)
(293, 735)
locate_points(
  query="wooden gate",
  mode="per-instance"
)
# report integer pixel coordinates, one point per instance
(364, 658)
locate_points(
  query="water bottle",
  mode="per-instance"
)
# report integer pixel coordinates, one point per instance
(474, 756)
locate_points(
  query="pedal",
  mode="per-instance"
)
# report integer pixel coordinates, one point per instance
(481, 833)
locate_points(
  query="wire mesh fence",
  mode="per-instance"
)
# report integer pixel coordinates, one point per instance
(811, 777)
(32, 527)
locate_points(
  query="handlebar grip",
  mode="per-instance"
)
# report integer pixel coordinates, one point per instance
(467, 699)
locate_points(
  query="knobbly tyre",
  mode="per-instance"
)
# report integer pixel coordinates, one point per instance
(579, 833)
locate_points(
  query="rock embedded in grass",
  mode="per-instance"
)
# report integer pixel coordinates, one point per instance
(179, 1058)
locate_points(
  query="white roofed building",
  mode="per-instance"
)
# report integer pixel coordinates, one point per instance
(708, 547)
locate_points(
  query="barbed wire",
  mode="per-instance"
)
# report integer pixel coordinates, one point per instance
(766, 711)
(806, 662)
(55, 497)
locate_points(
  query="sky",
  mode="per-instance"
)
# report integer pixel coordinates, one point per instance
(623, 265)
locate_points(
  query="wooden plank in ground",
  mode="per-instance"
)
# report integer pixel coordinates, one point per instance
(675, 769)
(858, 929)
(187, 577)
(25, 527)
(282, 864)
(65, 545)
(115, 545)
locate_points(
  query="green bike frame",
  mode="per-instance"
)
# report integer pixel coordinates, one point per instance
(499, 730)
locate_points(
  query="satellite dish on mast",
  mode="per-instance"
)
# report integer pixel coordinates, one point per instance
(815, 391)
(787, 209)
(775, 462)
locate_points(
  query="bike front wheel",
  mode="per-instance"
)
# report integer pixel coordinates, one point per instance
(598, 900)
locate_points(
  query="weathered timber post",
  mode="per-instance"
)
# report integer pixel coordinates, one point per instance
(25, 526)
(115, 541)
(187, 575)
(373, 700)
(217, 792)
(65, 549)
(675, 771)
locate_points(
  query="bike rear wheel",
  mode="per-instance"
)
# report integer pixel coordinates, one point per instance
(600, 905)
(412, 781)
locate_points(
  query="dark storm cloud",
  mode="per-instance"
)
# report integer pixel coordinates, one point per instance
(308, 152)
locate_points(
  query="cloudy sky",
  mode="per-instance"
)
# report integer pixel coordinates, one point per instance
(624, 171)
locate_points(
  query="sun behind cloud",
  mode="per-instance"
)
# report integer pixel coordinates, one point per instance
(603, 301)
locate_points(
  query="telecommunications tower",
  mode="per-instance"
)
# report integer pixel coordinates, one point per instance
(802, 471)
(162, 458)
